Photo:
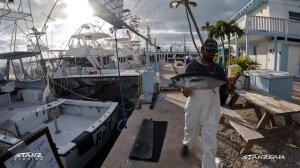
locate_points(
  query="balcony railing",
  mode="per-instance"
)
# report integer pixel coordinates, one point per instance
(266, 24)
(269, 24)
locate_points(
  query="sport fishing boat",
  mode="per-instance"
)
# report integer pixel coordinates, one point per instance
(88, 69)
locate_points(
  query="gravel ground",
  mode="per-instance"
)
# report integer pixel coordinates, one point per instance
(230, 144)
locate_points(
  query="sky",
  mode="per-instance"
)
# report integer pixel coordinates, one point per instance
(168, 26)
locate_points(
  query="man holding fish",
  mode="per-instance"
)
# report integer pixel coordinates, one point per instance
(203, 82)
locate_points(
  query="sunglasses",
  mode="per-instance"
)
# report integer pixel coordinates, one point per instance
(211, 50)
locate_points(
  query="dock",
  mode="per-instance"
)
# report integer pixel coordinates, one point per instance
(168, 107)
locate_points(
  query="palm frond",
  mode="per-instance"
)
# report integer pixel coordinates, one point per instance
(193, 4)
(175, 4)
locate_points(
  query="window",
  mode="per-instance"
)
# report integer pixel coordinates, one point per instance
(122, 59)
(81, 61)
(294, 15)
(105, 60)
(129, 58)
(254, 50)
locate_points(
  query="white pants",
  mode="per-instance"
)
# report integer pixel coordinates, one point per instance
(202, 114)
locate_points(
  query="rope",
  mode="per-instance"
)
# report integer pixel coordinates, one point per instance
(131, 108)
(120, 87)
(140, 85)
(73, 91)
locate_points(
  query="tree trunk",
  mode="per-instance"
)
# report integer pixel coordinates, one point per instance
(190, 26)
(194, 21)
(229, 51)
(223, 59)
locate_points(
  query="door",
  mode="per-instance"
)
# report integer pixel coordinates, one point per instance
(294, 60)
(270, 60)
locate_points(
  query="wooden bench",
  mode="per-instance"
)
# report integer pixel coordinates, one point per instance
(248, 133)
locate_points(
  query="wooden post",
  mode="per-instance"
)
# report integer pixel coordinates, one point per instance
(258, 112)
(264, 121)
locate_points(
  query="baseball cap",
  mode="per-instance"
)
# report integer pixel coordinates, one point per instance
(210, 43)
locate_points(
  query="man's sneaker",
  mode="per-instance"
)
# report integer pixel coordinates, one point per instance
(184, 151)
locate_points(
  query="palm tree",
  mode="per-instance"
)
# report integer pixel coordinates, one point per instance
(207, 26)
(217, 31)
(223, 30)
(191, 32)
(231, 28)
(187, 3)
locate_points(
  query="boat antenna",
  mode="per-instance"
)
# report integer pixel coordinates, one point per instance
(120, 84)
(49, 16)
(38, 35)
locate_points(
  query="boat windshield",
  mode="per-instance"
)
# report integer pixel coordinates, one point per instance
(19, 70)
(76, 61)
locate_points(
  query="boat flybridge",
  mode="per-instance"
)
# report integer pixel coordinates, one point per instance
(88, 69)
(91, 51)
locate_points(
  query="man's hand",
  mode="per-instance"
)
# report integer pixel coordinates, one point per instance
(186, 92)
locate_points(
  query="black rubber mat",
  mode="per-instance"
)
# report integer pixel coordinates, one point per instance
(148, 147)
(143, 145)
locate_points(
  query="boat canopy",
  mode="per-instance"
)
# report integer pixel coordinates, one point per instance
(8, 14)
(18, 55)
(123, 39)
(91, 36)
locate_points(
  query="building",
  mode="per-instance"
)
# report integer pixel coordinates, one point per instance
(272, 34)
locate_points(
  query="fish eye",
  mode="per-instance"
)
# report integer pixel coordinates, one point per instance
(177, 79)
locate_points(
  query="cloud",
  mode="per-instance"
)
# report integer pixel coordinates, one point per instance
(59, 10)
(231, 2)
(167, 25)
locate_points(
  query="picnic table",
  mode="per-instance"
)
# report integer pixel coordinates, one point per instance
(266, 108)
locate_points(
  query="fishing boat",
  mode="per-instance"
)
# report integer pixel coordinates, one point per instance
(88, 69)
(78, 128)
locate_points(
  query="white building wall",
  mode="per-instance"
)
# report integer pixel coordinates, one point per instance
(262, 48)
(293, 59)
(270, 61)
(262, 11)
(277, 9)
(281, 8)
(264, 56)
(241, 22)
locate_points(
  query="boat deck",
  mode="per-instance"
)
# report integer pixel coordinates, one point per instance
(169, 107)
(17, 110)
(70, 126)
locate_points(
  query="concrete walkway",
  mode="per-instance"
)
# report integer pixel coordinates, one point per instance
(168, 107)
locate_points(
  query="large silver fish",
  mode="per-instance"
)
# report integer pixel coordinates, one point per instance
(196, 81)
